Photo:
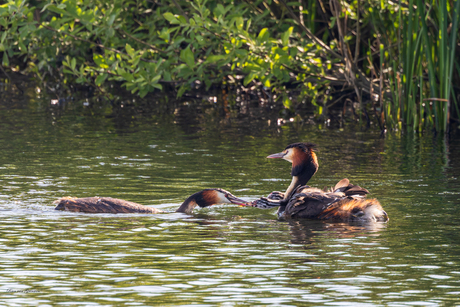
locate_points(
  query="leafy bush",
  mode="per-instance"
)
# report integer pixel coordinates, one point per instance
(375, 53)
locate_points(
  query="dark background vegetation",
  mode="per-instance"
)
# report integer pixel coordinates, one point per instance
(392, 63)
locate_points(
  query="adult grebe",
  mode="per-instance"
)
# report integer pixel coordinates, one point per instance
(345, 202)
(203, 198)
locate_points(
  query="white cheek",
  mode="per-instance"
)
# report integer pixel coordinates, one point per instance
(222, 199)
(288, 156)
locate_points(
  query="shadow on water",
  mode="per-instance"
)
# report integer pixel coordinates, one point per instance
(159, 151)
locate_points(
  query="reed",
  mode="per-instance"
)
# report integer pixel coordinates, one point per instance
(422, 65)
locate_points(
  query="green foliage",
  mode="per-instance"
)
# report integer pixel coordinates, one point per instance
(422, 53)
(315, 50)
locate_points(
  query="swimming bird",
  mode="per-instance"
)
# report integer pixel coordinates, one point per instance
(204, 198)
(345, 202)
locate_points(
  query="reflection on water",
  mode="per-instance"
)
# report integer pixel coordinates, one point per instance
(305, 231)
(223, 255)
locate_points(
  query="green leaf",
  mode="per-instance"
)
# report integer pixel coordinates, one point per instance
(182, 89)
(171, 18)
(111, 19)
(333, 20)
(267, 82)
(4, 23)
(56, 9)
(249, 78)
(158, 86)
(182, 20)
(164, 34)
(239, 23)
(187, 56)
(73, 63)
(130, 50)
(100, 79)
(214, 58)
(285, 36)
(167, 76)
(287, 103)
(143, 92)
(5, 62)
(127, 76)
(263, 35)
(219, 10)
(155, 79)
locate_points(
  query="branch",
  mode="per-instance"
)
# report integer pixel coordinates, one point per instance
(311, 35)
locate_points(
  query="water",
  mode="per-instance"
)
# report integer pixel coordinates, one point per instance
(224, 255)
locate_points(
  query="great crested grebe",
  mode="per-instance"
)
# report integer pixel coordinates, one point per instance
(345, 202)
(204, 198)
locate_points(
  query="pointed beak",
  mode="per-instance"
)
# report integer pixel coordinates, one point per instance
(277, 155)
(238, 201)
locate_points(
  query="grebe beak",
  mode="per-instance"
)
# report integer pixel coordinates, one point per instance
(236, 200)
(277, 155)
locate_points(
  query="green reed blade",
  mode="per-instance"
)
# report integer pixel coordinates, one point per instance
(428, 48)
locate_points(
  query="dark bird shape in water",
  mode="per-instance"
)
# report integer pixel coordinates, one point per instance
(204, 198)
(345, 202)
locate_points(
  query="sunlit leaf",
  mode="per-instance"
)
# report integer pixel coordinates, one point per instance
(263, 35)
(285, 36)
(129, 50)
(287, 103)
(214, 58)
(171, 18)
(239, 23)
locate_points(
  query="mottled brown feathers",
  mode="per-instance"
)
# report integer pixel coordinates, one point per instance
(102, 205)
(342, 184)
(207, 197)
(346, 202)
(333, 206)
(355, 209)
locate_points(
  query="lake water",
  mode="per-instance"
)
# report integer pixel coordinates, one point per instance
(224, 255)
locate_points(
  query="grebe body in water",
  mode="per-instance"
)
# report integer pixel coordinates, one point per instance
(204, 198)
(345, 202)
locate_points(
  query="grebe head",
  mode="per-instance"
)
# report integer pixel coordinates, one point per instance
(297, 153)
(304, 163)
(209, 197)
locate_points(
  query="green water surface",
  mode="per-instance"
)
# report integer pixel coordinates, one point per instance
(223, 255)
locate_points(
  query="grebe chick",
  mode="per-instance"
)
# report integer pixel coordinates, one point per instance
(204, 198)
(345, 202)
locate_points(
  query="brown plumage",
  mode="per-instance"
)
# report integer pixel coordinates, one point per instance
(203, 198)
(102, 205)
(345, 202)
